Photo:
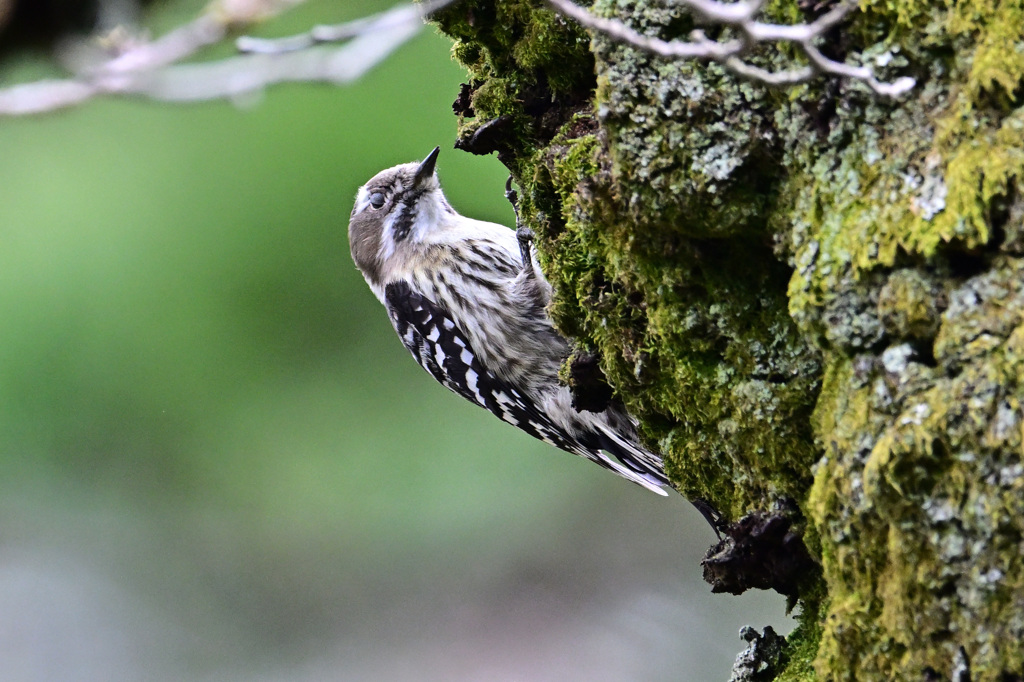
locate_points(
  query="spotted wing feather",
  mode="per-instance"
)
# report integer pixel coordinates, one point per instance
(443, 349)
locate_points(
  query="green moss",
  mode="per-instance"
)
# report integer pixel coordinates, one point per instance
(811, 294)
(523, 62)
(802, 644)
(689, 144)
(711, 364)
(923, 522)
(910, 303)
(893, 186)
(516, 39)
(997, 62)
(888, 220)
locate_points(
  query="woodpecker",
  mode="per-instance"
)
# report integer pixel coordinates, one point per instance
(468, 300)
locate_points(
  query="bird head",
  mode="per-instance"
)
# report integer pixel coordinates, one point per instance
(395, 214)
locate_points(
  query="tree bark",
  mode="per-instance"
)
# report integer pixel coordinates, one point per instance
(811, 298)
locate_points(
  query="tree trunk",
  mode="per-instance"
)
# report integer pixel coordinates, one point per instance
(811, 298)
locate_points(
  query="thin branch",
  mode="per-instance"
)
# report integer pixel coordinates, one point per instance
(741, 17)
(701, 47)
(180, 43)
(152, 70)
(338, 32)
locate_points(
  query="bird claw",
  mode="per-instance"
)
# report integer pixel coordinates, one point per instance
(523, 233)
(511, 195)
(714, 517)
(525, 237)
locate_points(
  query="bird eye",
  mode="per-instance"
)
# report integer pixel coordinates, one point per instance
(377, 199)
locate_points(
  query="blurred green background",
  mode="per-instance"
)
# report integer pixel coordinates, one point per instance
(218, 462)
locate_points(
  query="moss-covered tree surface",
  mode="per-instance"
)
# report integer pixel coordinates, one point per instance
(811, 298)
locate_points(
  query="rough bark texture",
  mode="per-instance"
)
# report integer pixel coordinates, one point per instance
(812, 299)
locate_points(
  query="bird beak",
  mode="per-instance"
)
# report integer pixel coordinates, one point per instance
(426, 169)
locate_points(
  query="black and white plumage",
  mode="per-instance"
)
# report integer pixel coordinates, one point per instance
(468, 300)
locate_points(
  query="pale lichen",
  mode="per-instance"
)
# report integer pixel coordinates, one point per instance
(810, 294)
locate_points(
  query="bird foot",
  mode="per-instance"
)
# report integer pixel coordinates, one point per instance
(525, 237)
(511, 195)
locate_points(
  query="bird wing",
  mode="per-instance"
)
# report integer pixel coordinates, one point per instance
(441, 348)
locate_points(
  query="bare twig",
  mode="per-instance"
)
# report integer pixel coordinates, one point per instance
(338, 32)
(151, 69)
(741, 16)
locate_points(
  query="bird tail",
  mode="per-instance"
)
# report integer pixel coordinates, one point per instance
(631, 461)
